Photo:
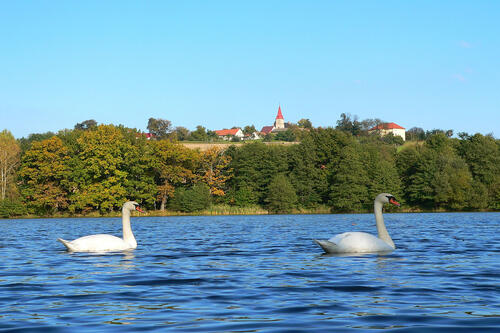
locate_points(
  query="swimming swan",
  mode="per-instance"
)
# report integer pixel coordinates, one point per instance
(106, 243)
(362, 242)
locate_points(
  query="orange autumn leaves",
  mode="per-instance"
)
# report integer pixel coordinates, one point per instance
(100, 168)
(177, 165)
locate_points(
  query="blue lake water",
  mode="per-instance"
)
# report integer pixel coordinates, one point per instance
(253, 274)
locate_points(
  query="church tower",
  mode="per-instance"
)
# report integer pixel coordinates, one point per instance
(279, 123)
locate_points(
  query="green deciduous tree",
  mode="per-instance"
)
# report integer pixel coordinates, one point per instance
(435, 176)
(255, 164)
(281, 197)
(181, 133)
(288, 136)
(140, 184)
(200, 134)
(86, 125)
(305, 123)
(191, 199)
(452, 182)
(482, 155)
(99, 173)
(307, 174)
(415, 134)
(12, 208)
(45, 176)
(346, 124)
(249, 129)
(245, 196)
(419, 187)
(328, 144)
(349, 181)
(379, 159)
(160, 128)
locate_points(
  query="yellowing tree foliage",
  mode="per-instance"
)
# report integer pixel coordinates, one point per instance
(9, 159)
(175, 165)
(45, 175)
(214, 170)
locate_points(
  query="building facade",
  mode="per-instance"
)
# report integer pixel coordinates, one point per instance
(228, 134)
(386, 128)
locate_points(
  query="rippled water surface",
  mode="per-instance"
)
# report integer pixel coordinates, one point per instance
(253, 274)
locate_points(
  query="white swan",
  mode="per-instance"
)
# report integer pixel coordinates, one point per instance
(362, 242)
(107, 243)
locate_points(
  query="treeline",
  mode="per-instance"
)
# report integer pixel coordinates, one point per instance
(97, 168)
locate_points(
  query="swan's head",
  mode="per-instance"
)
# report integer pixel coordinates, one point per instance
(132, 205)
(387, 198)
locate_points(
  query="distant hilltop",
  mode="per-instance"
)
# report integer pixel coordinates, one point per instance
(278, 126)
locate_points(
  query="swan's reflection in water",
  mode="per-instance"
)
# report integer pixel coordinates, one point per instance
(122, 260)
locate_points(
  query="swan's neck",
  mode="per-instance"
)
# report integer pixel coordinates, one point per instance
(128, 236)
(381, 229)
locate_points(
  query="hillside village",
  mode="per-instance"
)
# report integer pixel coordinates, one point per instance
(283, 131)
(280, 126)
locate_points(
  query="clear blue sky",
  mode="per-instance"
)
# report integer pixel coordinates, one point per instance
(430, 64)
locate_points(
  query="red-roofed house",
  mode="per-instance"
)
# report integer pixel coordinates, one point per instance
(267, 129)
(228, 134)
(386, 128)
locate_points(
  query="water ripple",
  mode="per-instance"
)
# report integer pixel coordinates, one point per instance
(253, 274)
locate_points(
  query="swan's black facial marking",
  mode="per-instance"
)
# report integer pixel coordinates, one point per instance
(393, 200)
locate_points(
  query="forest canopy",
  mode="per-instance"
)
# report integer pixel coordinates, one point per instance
(98, 167)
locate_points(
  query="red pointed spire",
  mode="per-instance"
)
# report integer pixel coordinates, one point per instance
(279, 116)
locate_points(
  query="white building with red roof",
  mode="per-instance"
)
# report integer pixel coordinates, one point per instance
(386, 128)
(228, 134)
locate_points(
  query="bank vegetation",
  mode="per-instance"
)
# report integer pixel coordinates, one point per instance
(93, 170)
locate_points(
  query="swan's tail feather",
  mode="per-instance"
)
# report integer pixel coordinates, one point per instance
(327, 246)
(66, 243)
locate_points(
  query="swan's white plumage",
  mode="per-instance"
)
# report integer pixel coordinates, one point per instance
(107, 243)
(362, 242)
(97, 243)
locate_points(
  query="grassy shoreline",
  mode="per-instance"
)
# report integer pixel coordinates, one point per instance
(221, 210)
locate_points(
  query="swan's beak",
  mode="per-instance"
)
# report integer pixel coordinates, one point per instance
(137, 208)
(394, 202)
